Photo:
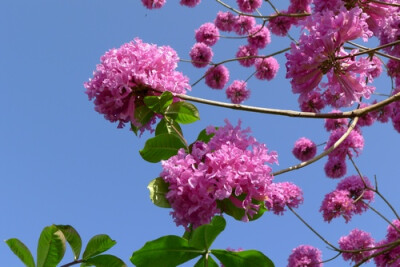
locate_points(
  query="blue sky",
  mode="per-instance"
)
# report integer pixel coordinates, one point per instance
(62, 163)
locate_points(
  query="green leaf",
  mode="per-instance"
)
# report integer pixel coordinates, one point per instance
(51, 247)
(161, 147)
(143, 115)
(209, 262)
(73, 239)
(203, 136)
(182, 112)
(158, 104)
(166, 251)
(168, 127)
(158, 189)
(242, 258)
(203, 236)
(104, 261)
(229, 208)
(98, 244)
(22, 252)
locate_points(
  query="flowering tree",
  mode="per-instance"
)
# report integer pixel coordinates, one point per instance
(226, 171)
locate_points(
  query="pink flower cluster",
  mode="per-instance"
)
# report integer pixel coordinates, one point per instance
(350, 197)
(127, 74)
(354, 143)
(391, 257)
(321, 53)
(359, 241)
(305, 255)
(304, 149)
(232, 166)
(153, 4)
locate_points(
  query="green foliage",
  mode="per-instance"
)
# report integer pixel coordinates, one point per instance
(52, 245)
(22, 252)
(165, 251)
(73, 238)
(159, 104)
(242, 258)
(203, 136)
(174, 250)
(161, 147)
(229, 208)
(182, 112)
(170, 127)
(158, 189)
(97, 245)
(104, 261)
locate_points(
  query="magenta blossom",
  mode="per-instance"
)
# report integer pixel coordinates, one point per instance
(152, 4)
(237, 92)
(247, 53)
(201, 55)
(333, 124)
(267, 68)
(217, 77)
(356, 240)
(190, 3)
(311, 102)
(259, 36)
(305, 255)
(335, 167)
(225, 21)
(243, 24)
(207, 33)
(127, 74)
(248, 6)
(232, 164)
(283, 194)
(280, 25)
(304, 149)
(353, 143)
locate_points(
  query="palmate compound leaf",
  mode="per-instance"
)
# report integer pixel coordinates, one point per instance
(166, 251)
(158, 189)
(182, 112)
(22, 252)
(73, 239)
(98, 244)
(161, 147)
(104, 261)
(242, 258)
(203, 236)
(51, 247)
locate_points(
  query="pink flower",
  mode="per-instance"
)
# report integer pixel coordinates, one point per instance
(337, 203)
(304, 149)
(356, 240)
(190, 3)
(335, 167)
(225, 21)
(248, 6)
(232, 164)
(259, 36)
(127, 74)
(317, 54)
(383, 114)
(333, 124)
(247, 51)
(151, 4)
(207, 33)
(353, 143)
(311, 102)
(217, 77)
(201, 55)
(282, 194)
(243, 24)
(266, 68)
(305, 255)
(358, 191)
(237, 92)
(367, 119)
(280, 25)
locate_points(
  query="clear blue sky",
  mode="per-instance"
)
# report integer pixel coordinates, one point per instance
(62, 163)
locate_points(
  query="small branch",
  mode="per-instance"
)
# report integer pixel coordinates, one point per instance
(376, 52)
(384, 3)
(292, 113)
(314, 231)
(323, 154)
(370, 50)
(392, 246)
